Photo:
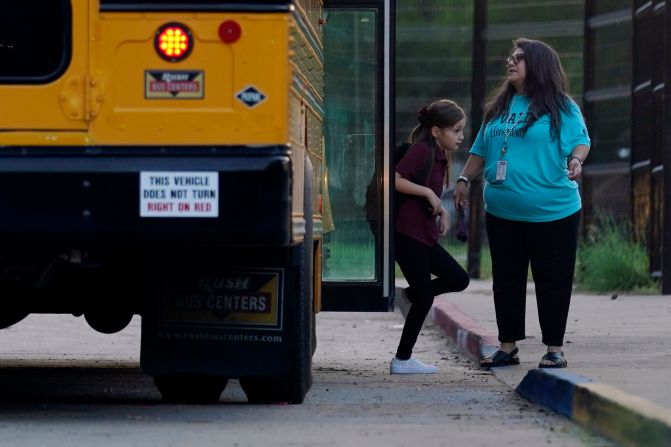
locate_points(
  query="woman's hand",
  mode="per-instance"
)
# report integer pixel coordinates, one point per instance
(575, 161)
(472, 168)
(574, 168)
(460, 196)
(443, 222)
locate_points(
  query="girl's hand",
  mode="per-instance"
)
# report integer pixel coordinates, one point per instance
(434, 201)
(443, 222)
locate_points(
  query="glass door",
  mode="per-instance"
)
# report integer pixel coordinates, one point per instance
(357, 261)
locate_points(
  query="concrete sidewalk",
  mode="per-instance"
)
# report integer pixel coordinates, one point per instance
(618, 380)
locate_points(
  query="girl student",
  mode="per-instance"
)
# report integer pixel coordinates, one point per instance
(421, 175)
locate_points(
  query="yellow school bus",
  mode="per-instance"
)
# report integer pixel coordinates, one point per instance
(167, 159)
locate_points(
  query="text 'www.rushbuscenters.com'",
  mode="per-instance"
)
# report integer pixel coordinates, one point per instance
(251, 338)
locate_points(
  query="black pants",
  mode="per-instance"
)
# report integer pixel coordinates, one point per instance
(550, 247)
(418, 261)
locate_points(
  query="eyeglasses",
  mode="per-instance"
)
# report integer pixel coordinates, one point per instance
(515, 58)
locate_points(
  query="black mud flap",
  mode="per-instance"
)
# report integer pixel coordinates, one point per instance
(293, 387)
(229, 323)
(218, 321)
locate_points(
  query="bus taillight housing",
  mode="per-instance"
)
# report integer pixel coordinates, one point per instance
(173, 42)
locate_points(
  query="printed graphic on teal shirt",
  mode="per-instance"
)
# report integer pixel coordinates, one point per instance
(536, 186)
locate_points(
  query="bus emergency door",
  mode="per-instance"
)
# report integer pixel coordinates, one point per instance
(45, 78)
(358, 267)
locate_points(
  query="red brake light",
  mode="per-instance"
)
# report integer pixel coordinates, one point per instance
(230, 31)
(173, 42)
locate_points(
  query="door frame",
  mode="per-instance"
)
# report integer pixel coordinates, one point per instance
(376, 295)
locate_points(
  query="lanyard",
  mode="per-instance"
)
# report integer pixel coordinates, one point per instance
(507, 131)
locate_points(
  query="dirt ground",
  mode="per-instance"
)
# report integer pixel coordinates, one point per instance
(62, 384)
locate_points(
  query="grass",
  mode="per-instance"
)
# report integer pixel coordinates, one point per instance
(349, 260)
(610, 260)
(350, 255)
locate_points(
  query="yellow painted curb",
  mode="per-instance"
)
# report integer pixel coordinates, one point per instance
(628, 419)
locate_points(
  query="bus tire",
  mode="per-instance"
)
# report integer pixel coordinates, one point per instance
(301, 377)
(108, 321)
(190, 388)
(314, 332)
(11, 316)
(293, 388)
(313, 316)
(11, 313)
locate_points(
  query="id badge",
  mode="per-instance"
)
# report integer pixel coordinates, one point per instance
(501, 169)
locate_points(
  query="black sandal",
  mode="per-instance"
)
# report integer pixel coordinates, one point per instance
(557, 358)
(501, 358)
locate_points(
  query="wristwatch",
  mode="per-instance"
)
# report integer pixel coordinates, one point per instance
(464, 179)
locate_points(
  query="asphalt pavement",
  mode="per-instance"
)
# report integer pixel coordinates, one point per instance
(617, 382)
(62, 384)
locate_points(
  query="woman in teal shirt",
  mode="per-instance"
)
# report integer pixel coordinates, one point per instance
(531, 148)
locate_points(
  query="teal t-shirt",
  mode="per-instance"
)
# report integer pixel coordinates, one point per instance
(536, 187)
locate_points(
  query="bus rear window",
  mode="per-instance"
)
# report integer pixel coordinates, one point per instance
(34, 40)
(194, 5)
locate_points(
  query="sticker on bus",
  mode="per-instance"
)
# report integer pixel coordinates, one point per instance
(160, 84)
(224, 299)
(179, 194)
(251, 96)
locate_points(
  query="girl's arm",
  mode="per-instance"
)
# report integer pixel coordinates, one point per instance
(407, 187)
(443, 222)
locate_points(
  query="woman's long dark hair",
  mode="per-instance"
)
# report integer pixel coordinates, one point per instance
(545, 84)
(442, 113)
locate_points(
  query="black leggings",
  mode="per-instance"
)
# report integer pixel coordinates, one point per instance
(417, 262)
(550, 247)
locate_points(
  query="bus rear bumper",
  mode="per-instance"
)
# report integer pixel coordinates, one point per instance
(93, 197)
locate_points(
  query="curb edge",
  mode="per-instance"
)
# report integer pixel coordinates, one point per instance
(607, 410)
(469, 336)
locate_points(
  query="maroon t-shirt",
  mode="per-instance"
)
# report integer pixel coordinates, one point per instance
(411, 220)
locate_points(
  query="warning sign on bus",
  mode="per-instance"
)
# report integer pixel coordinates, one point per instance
(179, 194)
(173, 84)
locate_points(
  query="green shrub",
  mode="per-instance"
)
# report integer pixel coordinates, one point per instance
(609, 260)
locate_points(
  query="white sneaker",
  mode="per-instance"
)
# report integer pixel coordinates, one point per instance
(410, 366)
